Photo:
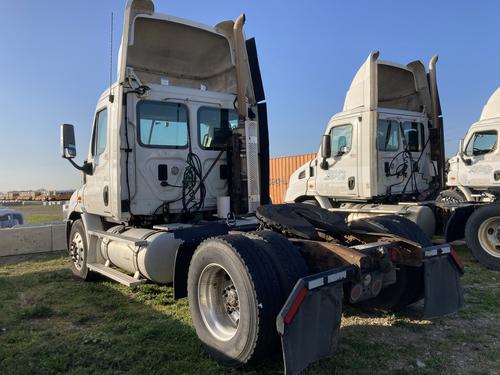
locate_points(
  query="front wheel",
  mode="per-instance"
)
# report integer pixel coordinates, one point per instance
(482, 234)
(78, 250)
(234, 297)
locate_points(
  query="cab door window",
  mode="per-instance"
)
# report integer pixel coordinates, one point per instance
(414, 135)
(388, 135)
(100, 136)
(162, 124)
(215, 126)
(341, 139)
(482, 143)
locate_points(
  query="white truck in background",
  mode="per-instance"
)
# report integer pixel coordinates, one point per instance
(384, 155)
(474, 173)
(184, 131)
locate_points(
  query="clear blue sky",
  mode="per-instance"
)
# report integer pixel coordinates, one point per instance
(54, 62)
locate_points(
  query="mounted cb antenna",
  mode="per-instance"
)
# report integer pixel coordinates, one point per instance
(111, 96)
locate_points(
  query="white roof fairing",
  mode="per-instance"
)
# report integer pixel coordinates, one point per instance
(359, 93)
(384, 84)
(492, 107)
(186, 53)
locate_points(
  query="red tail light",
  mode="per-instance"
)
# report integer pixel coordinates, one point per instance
(456, 259)
(295, 306)
(394, 254)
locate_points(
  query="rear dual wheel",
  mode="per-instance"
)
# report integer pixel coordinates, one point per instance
(236, 288)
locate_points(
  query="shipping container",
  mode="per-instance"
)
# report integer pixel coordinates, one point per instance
(280, 172)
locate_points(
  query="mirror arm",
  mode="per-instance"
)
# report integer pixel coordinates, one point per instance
(85, 168)
(464, 160)
(461, 153)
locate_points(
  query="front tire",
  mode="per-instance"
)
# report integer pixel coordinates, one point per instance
(78, 250)
(482, 234)
(234, 297)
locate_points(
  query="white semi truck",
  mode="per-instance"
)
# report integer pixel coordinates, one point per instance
(175, 190)
(474, 173)
(384, 155)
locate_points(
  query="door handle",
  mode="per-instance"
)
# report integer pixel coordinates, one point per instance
(351, 182)
(105, 195)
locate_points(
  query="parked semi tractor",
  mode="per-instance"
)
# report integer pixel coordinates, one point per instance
(474, 173)
(175, 192)
(384, 155)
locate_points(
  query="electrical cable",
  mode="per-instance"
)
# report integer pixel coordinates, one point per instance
(127, 152)
(192, 183)
(418, 160)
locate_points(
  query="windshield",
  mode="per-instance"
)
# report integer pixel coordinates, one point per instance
(482, 143)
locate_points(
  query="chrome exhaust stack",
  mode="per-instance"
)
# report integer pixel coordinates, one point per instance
(437, 119)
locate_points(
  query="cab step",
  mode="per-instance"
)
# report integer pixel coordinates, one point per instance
(116, 275)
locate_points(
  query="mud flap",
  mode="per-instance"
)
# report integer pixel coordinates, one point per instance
(443, 288)
(309, 322)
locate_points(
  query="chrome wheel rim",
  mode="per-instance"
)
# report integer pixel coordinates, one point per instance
(219, 302)
(489, 236)
(76, 251)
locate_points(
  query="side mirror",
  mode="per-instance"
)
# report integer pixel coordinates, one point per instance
(68, 146)
(326, 150)
(461, 153)
(326, 146)
(461, 147)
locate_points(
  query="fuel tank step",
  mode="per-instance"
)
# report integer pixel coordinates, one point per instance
(116, 275)
(117, 237)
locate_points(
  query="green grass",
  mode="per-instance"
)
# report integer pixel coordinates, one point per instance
(40, 214)
(51, 322)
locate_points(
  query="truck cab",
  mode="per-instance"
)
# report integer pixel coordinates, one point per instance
(475, 171)
(381, 147)
(179, 129)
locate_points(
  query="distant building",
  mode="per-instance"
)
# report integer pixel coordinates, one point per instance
(37, 195)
